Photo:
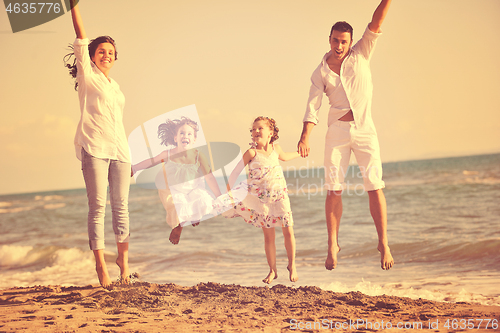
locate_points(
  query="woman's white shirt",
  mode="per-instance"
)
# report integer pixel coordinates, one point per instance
(100, 130)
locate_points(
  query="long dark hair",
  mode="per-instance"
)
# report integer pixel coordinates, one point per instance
(94, 43)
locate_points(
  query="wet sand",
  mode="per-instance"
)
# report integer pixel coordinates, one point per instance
(213, 307)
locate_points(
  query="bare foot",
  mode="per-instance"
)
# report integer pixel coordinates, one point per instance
(175, 235)
(270, 277)
(124, 272)
(196, 223)
(122, 262)
(294, 277)
(386, 260)
(331, 258)
(102, 274)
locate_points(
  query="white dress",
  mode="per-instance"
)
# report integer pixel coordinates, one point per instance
(185, 197)
(262, 200)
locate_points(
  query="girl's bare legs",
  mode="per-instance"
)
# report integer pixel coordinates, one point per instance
(122, 262)
(101, 269)
(270, 246)
(289, 238)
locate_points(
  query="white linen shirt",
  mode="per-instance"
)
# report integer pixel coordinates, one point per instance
(100, 130)
(355, 83)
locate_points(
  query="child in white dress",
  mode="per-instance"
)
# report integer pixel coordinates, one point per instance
(181, 183)
(266, 204)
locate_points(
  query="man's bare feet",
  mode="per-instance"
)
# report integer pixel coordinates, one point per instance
(102, 274)
(270, 277)
(175, 235)
(294, 277)
(331, 258)
(386, 260)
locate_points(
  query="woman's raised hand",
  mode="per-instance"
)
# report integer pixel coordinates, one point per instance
(77, 20)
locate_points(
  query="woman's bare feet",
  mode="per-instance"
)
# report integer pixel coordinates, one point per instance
(331, 258)
(102, 274)
(270, 277)
(294, 277)
(175, 235)
(124, 272)
(102, 269)
(122, 262)
(386, 260)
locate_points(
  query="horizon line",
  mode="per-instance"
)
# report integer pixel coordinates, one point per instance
(309, 168)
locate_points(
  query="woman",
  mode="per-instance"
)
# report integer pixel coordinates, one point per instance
(101, 144)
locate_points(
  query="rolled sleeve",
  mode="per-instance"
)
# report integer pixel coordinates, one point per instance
(81, 50)
(315, 97)
(366, 44)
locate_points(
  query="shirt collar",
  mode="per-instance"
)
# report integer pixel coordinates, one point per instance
(330, 52)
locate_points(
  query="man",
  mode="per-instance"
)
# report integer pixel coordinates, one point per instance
(344, 75)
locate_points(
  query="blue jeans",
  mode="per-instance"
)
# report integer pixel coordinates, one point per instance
(97, 172)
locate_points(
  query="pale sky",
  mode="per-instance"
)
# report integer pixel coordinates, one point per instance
(435, 69)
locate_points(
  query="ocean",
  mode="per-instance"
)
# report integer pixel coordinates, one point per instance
(443, 230)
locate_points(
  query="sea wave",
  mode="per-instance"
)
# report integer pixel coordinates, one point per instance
(18, 256)
(484, 252)
(24, 266)
(16, 209)
(462, 179)
(36, 202)
(48, 197)
(406, 290)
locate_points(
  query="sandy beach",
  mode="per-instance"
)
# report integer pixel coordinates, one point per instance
(213, 307)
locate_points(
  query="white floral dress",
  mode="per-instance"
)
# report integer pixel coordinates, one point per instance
(262, 200)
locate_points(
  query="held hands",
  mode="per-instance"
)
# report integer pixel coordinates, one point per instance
(303, 145)
(133, 170)
(303, 148)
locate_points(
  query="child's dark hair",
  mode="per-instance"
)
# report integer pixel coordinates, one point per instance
(94, 43)
(272, 126)
(168, 130)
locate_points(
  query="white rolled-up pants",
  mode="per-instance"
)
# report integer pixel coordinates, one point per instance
(342, 138)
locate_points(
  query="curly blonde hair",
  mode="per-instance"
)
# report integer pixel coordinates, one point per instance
(272, 126)
(168, 130)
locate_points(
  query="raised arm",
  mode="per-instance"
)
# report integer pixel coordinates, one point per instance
(379, 16)
(77, 20)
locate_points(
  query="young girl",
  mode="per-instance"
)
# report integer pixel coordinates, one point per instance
(180, 184)
(267, 205)
(101, 144)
